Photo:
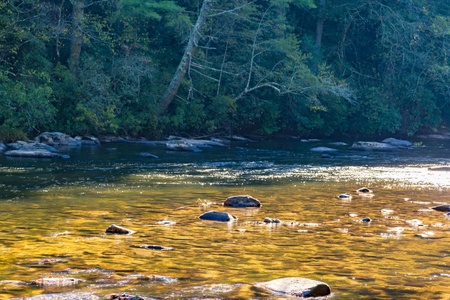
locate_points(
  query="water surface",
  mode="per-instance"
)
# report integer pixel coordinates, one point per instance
(54, 214)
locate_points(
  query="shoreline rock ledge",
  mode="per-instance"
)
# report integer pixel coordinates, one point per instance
(295, 286)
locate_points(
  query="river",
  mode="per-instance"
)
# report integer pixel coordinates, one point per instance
(54, 214)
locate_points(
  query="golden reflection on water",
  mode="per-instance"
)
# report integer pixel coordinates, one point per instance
(325, 239)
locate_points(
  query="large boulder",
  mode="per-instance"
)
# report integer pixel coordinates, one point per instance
(295, 286)
(373, 146)
(33, 150)
(217, 216)
(398, 143)
(443, 208)
(242, 201)
(57, 139)
(181, 145)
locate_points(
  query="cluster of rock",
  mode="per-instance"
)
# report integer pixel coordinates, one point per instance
(45, 145)
(290, 286)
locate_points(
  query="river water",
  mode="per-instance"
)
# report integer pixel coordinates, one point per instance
(54, 214)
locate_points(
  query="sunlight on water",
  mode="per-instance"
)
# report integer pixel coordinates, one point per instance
(389, 245)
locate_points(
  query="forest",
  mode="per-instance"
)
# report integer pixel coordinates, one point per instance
(149, 68)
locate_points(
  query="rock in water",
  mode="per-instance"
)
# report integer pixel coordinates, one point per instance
(217, 216)
(296, 286)
(242, 201)
(115, 229)
(444, 208)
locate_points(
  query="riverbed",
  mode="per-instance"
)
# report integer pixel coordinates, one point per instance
(385, 245)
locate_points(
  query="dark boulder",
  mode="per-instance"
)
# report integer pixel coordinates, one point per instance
(444, 208)
(242, 201)
(296, 286)
(217, 216)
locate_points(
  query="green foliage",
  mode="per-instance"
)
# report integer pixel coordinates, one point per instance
(382, 67)
(25, 106)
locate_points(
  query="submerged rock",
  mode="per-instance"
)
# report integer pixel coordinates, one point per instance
(154, 247)
(242, 201)
(296, 286)
(115, 229)
(323, 149)
(35, 154)
(217, 216)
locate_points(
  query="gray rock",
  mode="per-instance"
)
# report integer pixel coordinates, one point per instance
(88, 140)
(217, 216)
(397, 143)
(2, 146)
(35, 154)
(242, 201)
(57, 139)
(323, 149)
(373, 146)
(181, 145)
(296, 286)
(22, 145)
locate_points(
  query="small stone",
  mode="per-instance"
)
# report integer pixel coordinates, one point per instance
(364, 190)
(345, 196)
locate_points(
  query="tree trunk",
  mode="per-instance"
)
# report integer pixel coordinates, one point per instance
(320, 21)
(186, 59)
(77, 35)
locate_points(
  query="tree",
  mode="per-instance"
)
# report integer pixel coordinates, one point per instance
(191, 46)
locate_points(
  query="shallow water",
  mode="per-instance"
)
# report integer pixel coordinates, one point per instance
(54, 214)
